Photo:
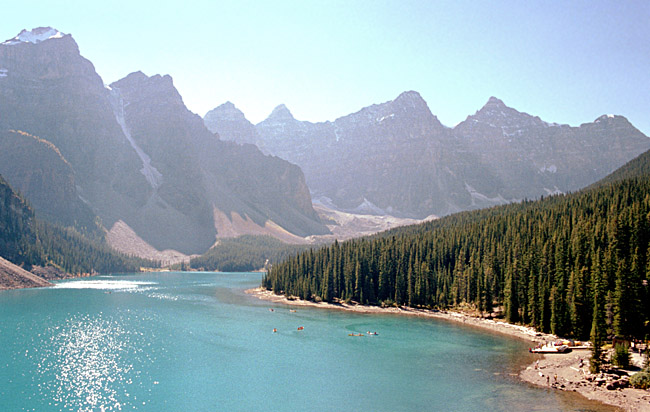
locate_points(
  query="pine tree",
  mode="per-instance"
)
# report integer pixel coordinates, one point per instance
(510, 298)
(598, 326)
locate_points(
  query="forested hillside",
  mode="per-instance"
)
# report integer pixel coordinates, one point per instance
(27, 242)
(245, 253)
(564, 264)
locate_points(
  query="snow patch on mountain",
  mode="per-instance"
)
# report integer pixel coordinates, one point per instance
(549, 169)
(153, 176)
(554, 191)
(35, 36)
(336, 132)
(368, 207)
(476, 196)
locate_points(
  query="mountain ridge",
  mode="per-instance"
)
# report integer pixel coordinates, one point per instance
(397, 158)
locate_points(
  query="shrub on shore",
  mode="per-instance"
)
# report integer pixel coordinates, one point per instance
(640, 380)
(621, 356)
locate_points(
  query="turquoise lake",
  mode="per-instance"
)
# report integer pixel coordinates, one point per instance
(197, 342)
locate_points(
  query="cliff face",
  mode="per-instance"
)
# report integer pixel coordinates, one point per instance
(37, 169)
(396, 158)
(198, 172)
(136, 154)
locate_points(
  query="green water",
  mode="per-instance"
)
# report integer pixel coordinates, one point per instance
(196, 342)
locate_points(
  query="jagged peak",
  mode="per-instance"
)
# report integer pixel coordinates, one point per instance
(497, 115)
(137, 78)
(409, 96)
(410, 99)
(496, 107)
(225, 111)
(609, 117)
(158, 88)
(129, 80)
(35, 36)
(493, 101)
(615, 120)
(281, 112)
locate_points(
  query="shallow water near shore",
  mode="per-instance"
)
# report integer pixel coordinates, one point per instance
(197, 342)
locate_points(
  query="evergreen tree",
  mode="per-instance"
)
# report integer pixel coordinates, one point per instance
(598, 327)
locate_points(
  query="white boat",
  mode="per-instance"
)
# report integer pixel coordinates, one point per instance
(550, 348)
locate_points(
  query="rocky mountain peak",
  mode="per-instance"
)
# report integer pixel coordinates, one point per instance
(225, 112)
(410, 99)
(281, 113)
(496, 114)
(44, 54)
(610, 118)
(494, 107)
(133, 78)
(157, 88)
(35, 36)
(139, 79)
(493, 101)
(230, 124)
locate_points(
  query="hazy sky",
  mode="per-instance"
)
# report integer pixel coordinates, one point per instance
(565, 61)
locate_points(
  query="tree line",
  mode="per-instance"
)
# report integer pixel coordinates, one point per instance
(245, 253)
(572, 265)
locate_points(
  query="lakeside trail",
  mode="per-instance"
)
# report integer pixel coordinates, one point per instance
(570, 377)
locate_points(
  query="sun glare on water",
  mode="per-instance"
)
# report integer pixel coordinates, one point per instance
(86, 358)
(102, 284)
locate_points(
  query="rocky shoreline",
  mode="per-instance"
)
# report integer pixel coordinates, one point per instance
(15, 277)
(563, 371)
(555, 371)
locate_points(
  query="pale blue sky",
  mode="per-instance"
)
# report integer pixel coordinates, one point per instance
(565, 61)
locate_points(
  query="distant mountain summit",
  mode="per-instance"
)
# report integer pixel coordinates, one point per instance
(35, 36)
(397, 158)
(137, 155)
(281, 113)
(231, 124)
(531, 157)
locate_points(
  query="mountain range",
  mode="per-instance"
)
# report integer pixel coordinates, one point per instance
(130, 163)
(397, 158)
(133, 155)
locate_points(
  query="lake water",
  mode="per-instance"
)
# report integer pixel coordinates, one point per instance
(196, 342)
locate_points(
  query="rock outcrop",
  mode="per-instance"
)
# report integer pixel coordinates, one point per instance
(15, 277)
